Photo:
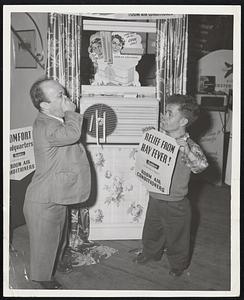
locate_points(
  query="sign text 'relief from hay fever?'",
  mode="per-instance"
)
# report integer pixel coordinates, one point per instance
(155, 161)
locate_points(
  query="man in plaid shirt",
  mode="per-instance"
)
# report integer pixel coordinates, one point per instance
(168, 217)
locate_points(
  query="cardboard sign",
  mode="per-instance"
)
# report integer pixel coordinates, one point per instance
(155, 161)
(22, 160)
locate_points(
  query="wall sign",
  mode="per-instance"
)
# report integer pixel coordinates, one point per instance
(217, 64)
(155, 161)
(22, 160)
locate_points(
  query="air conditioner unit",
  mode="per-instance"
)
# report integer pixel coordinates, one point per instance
(118, 120)
(213, 101)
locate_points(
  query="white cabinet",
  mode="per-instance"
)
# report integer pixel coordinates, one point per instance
(118, 119)
(121, 200)
(114, 127)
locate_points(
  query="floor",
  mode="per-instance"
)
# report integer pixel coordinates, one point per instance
(209, 269)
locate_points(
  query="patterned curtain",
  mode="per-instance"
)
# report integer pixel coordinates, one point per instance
(64, 42)
(63, 65)
(171, 57)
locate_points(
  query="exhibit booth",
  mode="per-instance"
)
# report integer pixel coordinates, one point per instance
(118, 71)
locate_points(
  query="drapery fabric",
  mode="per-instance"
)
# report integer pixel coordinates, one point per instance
(64, 42)
(171, 57)
(63, 65)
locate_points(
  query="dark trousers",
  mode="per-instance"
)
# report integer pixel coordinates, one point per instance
(47, 226)
(167, 226)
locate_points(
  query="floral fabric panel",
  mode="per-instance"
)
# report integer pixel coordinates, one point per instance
(121, 198)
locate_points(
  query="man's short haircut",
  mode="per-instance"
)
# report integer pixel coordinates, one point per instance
(187, 105)
(37, 94)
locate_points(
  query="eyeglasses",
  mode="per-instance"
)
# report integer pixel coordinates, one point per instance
(63, 95)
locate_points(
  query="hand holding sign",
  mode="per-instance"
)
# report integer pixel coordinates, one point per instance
(147, 128)
(184, 147)
(155, 161)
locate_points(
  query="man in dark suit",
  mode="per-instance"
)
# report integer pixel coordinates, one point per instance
(62, 178)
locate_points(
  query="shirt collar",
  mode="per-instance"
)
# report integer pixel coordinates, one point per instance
(60, 119)
(184, 136)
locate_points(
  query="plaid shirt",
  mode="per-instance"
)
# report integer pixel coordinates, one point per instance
(199, 163)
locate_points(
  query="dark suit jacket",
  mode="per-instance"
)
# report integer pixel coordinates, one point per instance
(62, 171)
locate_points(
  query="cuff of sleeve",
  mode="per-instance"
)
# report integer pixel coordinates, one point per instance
(73, 115)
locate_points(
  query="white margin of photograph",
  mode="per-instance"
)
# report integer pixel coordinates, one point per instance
(234, 10)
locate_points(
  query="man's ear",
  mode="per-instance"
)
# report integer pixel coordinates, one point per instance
(183, 122)
(44, 106)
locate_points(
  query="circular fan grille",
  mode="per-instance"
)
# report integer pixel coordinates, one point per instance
(110, 122)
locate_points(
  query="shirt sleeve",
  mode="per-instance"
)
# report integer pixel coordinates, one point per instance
(196, 160)
(66, 133)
